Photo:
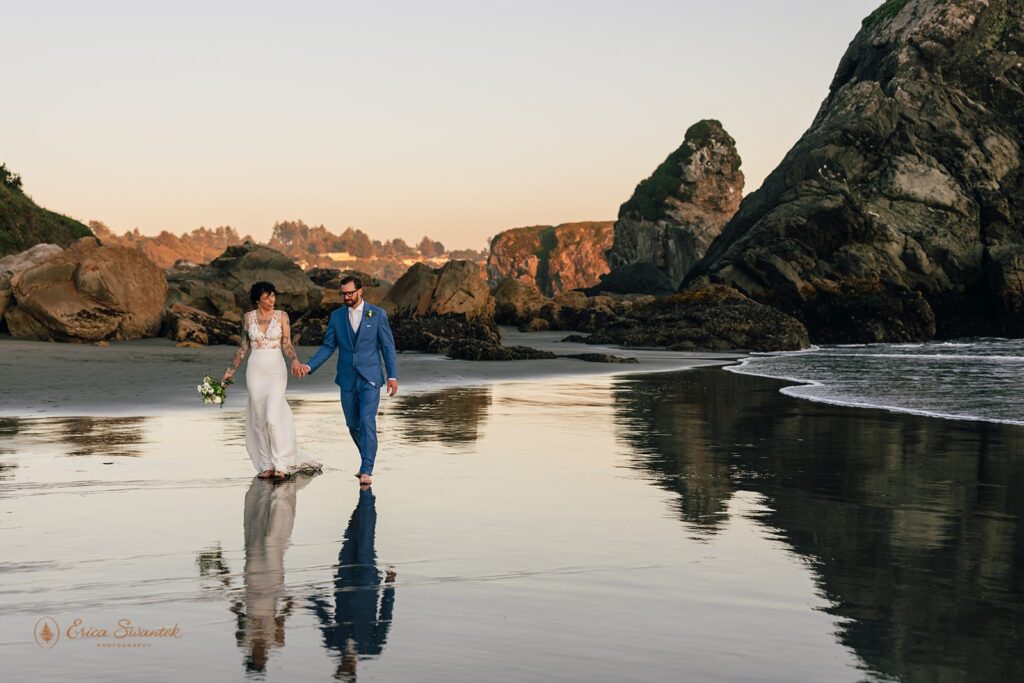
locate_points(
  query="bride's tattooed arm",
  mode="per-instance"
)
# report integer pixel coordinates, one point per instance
(286, 339)
(243, 349)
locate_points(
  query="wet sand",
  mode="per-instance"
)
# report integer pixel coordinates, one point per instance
(149, 377)
(692, 525)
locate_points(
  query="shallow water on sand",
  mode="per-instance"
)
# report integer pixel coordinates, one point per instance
(680, 526)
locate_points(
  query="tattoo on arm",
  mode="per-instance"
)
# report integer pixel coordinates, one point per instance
(243, 347)
(286, 339)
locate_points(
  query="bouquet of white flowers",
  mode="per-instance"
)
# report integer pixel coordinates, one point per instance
(212, 391)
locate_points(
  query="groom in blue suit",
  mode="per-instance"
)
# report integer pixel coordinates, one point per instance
(361, 335)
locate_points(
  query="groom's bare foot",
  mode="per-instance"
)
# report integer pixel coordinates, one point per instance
(365, 480)
(265, 474)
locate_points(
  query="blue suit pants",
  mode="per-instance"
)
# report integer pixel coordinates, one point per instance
(360, 408)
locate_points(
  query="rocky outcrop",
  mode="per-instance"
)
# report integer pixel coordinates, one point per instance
(710, 317)
(16, 263)
(635, 277)
(473, 349)
(554, 259)
(899, 215)
(329, 279)
(190, 325)
(436, 334)
(456, 288)
(575, 311)
(675, 214)
(601, 358)
(88, 293)
(517, 302)
(223, 285)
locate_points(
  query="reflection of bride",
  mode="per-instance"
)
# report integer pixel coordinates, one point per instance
(269, 516)
(358, 625)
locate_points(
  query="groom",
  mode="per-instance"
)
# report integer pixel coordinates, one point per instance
(361, 333)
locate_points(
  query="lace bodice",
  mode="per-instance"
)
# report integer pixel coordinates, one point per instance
(275, 336)
(271, 339)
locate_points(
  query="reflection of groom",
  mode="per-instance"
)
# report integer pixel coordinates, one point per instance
(356, 628)
(361, 334)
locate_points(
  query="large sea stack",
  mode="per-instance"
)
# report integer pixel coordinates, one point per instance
(899, 215)
(675, 214)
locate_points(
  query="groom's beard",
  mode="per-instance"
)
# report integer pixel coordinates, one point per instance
(353, 304)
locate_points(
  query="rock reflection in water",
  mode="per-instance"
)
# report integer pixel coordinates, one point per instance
(356, 625)
(912, 525)
(103, 436)
(263, 605)
(450, 416)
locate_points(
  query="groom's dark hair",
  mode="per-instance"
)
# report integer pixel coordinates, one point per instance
(258, 289)
(350, 278)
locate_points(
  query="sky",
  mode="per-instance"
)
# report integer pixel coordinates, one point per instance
(455, 120)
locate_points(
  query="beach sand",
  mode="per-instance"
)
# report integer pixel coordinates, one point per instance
(151, 376)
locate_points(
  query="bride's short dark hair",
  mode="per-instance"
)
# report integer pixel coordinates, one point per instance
(258, 289)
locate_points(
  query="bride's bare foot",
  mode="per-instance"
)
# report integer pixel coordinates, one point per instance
(265, 474)
(365, 479)
(278, 474)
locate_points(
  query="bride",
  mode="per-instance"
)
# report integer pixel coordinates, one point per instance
(269, 427)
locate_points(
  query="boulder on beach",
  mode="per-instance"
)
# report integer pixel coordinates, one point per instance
(329, 279)
(15, 263)
(516, 302)
(474, 349)
(88, 293)
(223, 285)
(457, 287)
(436, 334)
(707, 317)
(186, 324)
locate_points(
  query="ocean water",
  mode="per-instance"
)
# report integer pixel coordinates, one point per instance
(969, 379)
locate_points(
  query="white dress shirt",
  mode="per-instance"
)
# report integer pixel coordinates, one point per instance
(355, 315)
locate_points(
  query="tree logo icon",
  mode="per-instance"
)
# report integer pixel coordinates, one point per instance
(47, 632)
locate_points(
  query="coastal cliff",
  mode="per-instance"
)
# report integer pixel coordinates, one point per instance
(898, 215)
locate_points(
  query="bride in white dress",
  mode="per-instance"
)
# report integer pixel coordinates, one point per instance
(269, 426)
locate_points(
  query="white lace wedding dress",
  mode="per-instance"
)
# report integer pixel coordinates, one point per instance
(269, 425)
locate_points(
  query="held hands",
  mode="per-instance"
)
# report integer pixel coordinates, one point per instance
(300, 369)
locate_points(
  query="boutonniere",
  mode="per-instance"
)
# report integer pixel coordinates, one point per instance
(369, 314)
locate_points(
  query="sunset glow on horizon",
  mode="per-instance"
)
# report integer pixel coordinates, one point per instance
(455, 120)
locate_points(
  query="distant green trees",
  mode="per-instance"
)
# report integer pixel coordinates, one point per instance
(9, 178)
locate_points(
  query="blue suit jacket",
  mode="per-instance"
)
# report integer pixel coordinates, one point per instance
(359, 352)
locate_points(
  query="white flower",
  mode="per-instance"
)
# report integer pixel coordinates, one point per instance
(217, 399)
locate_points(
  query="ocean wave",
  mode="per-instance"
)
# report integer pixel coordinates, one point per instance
(961, 380)
(877, 405)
